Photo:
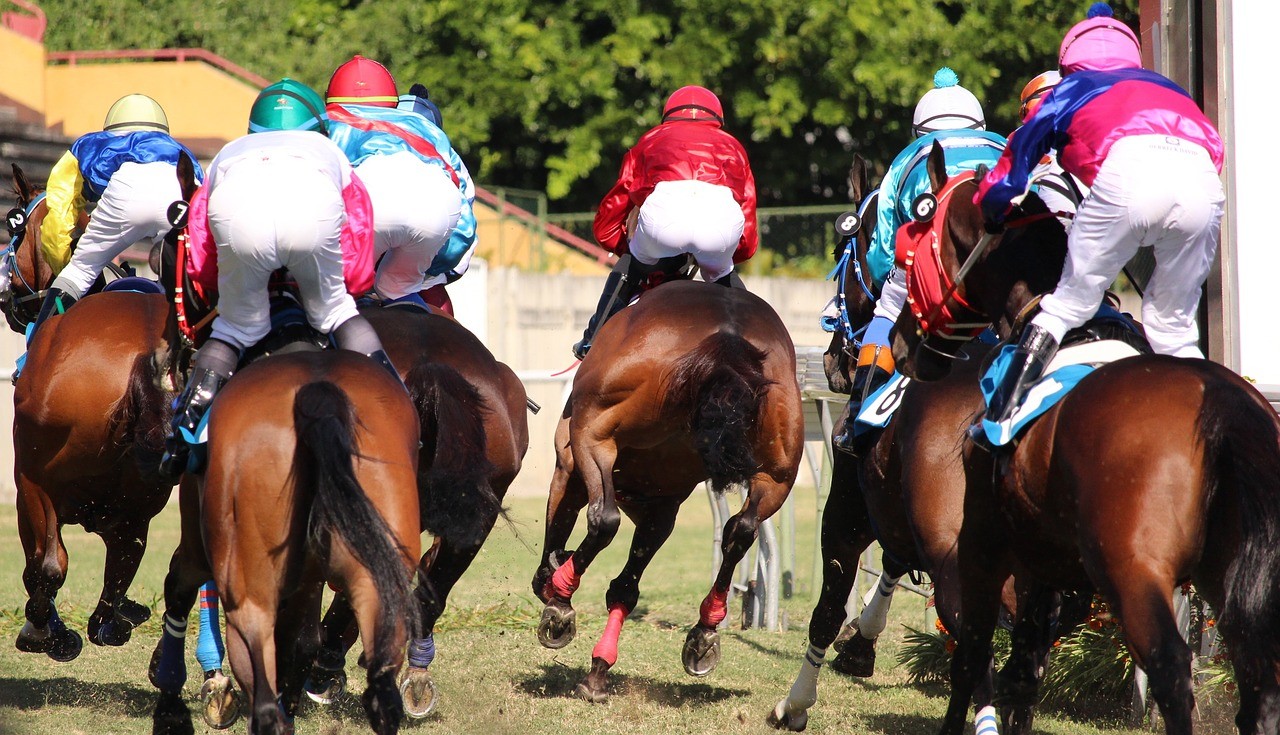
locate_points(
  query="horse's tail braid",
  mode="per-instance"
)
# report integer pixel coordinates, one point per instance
(325, 425)
(720, 385)
(1242, 449)
(457, 500)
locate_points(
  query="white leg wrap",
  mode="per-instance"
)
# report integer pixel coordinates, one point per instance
(986, 722)
(875, 615)
(804, 692)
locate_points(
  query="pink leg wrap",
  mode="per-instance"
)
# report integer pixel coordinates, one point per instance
(713, 608)
(607, 648)
(564, 582)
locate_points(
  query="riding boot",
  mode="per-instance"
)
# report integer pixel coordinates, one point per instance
(1034, 351)
(189, 410)
(357, 334)
(55, 301)
(623, 283)
(874, 368)
(382, 358)
(731, 280)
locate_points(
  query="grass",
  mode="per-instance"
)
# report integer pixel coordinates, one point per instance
(492, 675)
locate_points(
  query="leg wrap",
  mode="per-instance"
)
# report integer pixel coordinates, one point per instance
(564, 582)
(714, 608)
(607, 648)
(875, 615)
(171, 673)
(209, 648)
(422, 651)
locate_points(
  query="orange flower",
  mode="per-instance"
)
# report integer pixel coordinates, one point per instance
(951, 645)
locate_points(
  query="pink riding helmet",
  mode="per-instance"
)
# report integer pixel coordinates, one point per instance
(1100, 43)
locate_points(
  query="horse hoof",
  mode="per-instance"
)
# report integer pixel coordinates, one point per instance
(593, 696)
(113, 632)
(418, 692)
(558, 626)
(325, 685)
(701, 652)
(153, 668)
(63, 647)
(134, 612)
(67, 647)
(222, 701)
(857, 657)
(780, 719)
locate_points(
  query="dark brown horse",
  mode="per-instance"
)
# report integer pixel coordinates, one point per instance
(694, 381)
(89, 415)
(1152, 472)
(29, 274)
(312, 476)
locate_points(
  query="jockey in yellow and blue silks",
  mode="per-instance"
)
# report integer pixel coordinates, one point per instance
(421, 191)
(130, 170)
(948, 116)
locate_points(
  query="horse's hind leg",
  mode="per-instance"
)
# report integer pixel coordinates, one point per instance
(382, 702)
(1144, 602)
(126, 544)
(251, 649)
(338, 632)
(297, 640)
(653, 527)
(43, 575)
(557, 577)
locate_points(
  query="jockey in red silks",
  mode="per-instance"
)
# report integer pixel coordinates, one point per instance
(1151, 158)
(283, 196)
(685, 188)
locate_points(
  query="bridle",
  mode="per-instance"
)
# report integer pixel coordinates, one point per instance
(850, 258)
(16, 222)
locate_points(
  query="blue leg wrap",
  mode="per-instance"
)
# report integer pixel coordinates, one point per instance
(209, 648)
(56, 626)
(422, 651)
(171, 672)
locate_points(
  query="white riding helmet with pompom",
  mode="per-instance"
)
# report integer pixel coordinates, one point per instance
(947, 106)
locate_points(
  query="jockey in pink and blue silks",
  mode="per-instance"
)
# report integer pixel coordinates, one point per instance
(1151, 158)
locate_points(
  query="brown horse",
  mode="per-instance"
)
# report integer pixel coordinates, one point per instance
(312, 476)
(1152, 472)
(89, 415)
(694, 381)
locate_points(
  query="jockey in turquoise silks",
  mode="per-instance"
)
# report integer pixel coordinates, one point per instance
(948, 116)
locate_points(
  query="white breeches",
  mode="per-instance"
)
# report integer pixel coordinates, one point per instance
(279, 213)
(1156, 191)
(893, 294)
(692, 217)
(415, 208)
(132, 209)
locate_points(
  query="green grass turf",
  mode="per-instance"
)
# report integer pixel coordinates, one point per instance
(492, 675)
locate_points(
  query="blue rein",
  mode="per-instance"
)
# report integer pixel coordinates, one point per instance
(838, 273)
(11, 252)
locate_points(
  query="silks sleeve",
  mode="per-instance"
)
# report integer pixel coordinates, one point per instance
(750, 239)
(356, 238)
(609, 225)
(64, 198)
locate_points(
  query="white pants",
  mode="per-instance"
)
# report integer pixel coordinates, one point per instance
(277, 213)
(415, 208)
(692, 217)
(133, 208)
(893, 294)
(1152, 190)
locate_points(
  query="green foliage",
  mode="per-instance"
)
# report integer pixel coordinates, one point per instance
(548, 95)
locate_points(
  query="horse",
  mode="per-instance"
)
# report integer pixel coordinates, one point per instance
(923, 496)
(1152, 472)
(474, 437)
(90, 410)
(693, 381)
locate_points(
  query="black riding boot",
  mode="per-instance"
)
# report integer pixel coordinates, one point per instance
(1034, 351)
(382, 358)
(731, 280)
(875, 367)
(191, 407)
(357, 334)
(619, 288)
(55, 301)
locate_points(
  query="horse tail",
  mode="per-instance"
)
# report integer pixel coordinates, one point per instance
(139, 417)
(325, 424)
(720, 385)
(457, 499)
(1241, 439)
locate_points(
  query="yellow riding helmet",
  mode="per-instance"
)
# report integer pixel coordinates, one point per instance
(136, 112)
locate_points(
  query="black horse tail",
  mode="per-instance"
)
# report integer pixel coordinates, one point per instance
(325, 424)
(139, 418)
(457, 499)
(1242, 449)
(720, 385)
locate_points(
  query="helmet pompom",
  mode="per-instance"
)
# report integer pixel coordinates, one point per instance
(1100, 10)
(945, 77)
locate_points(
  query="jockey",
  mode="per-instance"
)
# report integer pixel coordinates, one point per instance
(948, 116)
(1060, 191)
(129, 169)
(1151, 158)
(422, 193)
(685, 188)
(283, 196)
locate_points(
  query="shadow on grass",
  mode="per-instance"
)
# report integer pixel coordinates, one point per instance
(64, 691)
(557, 680)
(901, 724)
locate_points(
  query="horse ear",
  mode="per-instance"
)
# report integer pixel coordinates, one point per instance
(21, 186)
(937, 168)
(858, 184)
(187, 176)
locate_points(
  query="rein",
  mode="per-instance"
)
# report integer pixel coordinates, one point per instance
(847, 258)
(17, 235)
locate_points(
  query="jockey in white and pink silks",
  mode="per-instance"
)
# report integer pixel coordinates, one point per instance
(283, 196)
(1151, 158)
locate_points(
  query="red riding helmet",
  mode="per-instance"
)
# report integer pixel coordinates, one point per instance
(693, 103)
(362, 81)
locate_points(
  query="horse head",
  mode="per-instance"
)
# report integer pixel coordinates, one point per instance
(29, 274)
(961, 278)
(855, 295)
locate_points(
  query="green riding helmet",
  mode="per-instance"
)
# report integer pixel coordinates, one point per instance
(288, 105)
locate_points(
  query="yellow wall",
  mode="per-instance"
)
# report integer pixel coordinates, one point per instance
(22, 70)
(202, 102)
(505, 241)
